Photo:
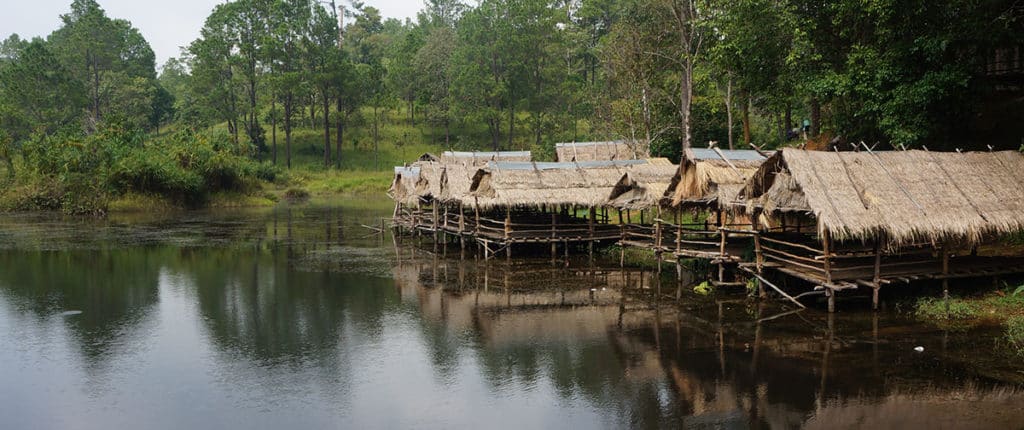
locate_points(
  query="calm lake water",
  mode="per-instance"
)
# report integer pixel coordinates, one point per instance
(296, 318)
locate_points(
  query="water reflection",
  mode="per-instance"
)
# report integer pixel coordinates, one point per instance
(301, 317)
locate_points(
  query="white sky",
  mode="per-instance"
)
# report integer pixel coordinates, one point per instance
(167, 25)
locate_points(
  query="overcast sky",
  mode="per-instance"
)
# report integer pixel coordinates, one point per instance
(167, 25)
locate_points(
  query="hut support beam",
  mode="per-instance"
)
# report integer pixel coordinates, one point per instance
(945, 276)
(590, 225)
(554, 244)
(876, 281)
(508, 233)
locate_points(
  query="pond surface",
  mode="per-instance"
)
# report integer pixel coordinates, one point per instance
(302, 318)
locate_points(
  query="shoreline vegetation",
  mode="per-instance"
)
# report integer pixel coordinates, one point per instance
(1003, 307)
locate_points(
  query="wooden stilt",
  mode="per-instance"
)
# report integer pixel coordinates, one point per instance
(831, 294)
(945, 275)
(877, 280)
(590, 222)
(759, 260)
(554, 244)
(826, 245)
(508, 233)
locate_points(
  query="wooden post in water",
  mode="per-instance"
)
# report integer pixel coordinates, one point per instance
(590, 222)
(508, 233)
(462, 229)
(876, 281)
(759, 259)
(554, 232)
(826, 244)
(945, 275)
(721, 247)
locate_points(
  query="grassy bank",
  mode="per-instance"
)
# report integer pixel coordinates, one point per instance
(1004, 307)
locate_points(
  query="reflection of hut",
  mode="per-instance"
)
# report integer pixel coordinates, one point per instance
(600, 151)
(849, 219)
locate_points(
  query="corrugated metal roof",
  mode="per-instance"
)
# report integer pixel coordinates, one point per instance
(732, 154)
(485, 154)
(577, 144)
(414, 170)
(542, 165)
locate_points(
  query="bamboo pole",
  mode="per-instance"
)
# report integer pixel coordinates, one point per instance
(945, 276)
(779, 290)
(590, 222)
(877, 280)
(826, 244)
(508, 233)
(759, 259)
(554, 244)
(462, 229)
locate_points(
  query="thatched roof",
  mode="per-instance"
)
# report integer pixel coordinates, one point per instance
(403, 184)
(456, 180)
(533, 184)
(642, 186)
(481, 158)
(600, 151)
(900, 196)
(429, 183)
(705, 177)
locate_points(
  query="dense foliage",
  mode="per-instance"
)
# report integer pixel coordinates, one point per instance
(503, 74)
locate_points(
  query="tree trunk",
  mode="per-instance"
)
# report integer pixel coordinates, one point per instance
(685, 102)
(376, 137)
(288, 105)
(327, 131)
(511, 125)
(273, 125)
(746, 118)
(728, 110)
(815, 117)
(447, 132)
(789, 119)
(338, 125)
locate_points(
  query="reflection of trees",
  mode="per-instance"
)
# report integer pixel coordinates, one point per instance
(114, 289)
(254, 303)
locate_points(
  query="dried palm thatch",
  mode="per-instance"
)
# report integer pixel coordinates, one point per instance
(600, 151)
(456, 180)
(900, 197)
(642, 186)
(475, 158)
(403, 185)
(536, 184)
(428, 186)
(706, 179)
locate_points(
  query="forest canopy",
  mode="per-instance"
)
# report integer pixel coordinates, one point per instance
(522, 74)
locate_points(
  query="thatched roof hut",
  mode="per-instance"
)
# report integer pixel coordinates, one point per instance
(428, 185)
(456, 180)
(600, 151)
(403, 185)
(899, 197)
(706, 175)
(642, 186)
(583, 184)
(477, 158)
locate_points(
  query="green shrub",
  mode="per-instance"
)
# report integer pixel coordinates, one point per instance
(1015, 333)
(936, 309)
(81, 174)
